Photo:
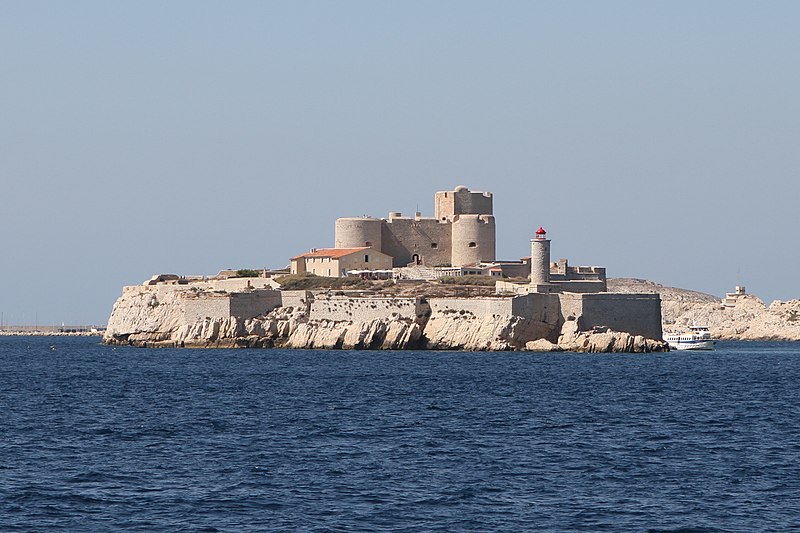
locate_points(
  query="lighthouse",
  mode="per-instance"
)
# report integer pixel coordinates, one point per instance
(540, 258)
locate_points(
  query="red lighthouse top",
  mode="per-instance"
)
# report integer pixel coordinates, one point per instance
(540, 232)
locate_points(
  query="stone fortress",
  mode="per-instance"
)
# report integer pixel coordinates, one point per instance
(459, 239)
(558, 307)
(462, 232)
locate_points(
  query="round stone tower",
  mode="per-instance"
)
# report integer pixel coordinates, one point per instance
(358, 232)
(473, 239)
(540, 258)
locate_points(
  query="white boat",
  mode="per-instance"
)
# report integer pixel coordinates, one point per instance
(697, 338)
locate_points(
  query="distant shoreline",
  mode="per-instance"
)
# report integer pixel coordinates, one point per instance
(51, 333)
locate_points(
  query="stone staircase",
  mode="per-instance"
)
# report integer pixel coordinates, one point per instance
(417, 272)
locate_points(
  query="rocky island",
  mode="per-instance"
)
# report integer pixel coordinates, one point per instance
(202, 314)
(432, 283)
(399, 283)
(737, 316)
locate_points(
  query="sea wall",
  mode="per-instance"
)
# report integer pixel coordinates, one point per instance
(345, 308)
(174, 315)
(492, 323)
(638, 314)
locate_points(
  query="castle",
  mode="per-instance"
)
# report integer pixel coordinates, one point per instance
(460, 239)
(462, 232)
(551, 302)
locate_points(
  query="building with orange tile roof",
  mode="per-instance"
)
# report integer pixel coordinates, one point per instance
(335, 262)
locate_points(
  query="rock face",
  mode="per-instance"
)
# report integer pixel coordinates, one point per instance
(748, 319)
(457, 331)
(145, 316)
(182, 317)
(599, 340)
(286, 326)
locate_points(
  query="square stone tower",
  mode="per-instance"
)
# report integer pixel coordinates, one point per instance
(462, 201)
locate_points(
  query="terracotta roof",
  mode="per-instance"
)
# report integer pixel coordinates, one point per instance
(333, 253)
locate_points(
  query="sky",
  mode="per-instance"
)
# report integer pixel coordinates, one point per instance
(657, 139)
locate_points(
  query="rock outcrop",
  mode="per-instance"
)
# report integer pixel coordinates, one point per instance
(283, 327)
(466, 331)
(598, 340)
(748, 319)
(174, 316)
(140, 317)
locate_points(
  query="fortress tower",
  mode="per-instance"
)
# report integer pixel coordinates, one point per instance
(358, 232)
(462, 232)
(462, 201)
(540, 258)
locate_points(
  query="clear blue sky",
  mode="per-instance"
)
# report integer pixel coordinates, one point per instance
(658, 139)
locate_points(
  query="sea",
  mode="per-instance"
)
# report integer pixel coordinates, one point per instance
(100, 438)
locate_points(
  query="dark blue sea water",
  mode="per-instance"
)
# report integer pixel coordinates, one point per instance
(94, 438)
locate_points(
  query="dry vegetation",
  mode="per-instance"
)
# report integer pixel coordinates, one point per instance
(294, 282)
(466, 286)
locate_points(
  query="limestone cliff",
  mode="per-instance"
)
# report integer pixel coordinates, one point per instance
(748, 319)
(459, 327)
(285, 326)
(145, 316)
(176, 316)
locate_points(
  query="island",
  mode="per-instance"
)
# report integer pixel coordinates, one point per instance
(398, 283)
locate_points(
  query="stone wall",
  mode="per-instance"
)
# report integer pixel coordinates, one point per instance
(344, 308)
(462, 201)
(541, 307)
(251, 304)
(178, 315)
(237, 284)
(246, 305)
(637, 314)
(357, 232)
(371, 259)
(473, 239)
(492, 323)
(595, 285)
(296, 299)
(198, 308)
(474, 306)
(404, 237)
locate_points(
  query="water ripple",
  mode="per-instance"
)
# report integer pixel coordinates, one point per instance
(232, 440)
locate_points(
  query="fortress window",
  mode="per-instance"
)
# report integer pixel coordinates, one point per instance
(472, 245)
(366, 259)
(434, 245)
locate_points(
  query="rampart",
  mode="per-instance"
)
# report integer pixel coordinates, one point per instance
(637, 314)
(180, 313)
(343, 308)
(541, 307)
(297, 299)
(473, 306)
(245, 305)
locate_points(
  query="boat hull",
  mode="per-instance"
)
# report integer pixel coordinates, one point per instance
(692, 345)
